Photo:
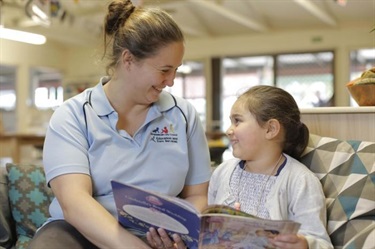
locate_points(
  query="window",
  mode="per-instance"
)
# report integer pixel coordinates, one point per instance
(361, 60)
(308, 77)
(7, 87)
(46, 89)
(239, 75)
(190, 84)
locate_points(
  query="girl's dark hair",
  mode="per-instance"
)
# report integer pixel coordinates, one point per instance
(269, 102)
(142, 31)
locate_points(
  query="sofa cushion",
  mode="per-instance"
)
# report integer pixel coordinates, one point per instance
(7, 230)
(346, 171)
(29, 199)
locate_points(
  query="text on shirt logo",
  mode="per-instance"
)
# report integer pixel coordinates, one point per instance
(164, 135)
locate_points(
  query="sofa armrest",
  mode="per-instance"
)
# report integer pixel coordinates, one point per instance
(7, 228)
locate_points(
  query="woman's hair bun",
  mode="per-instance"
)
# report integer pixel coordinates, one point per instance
(118, 12)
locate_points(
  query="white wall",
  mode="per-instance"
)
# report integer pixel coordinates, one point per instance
(82, 64)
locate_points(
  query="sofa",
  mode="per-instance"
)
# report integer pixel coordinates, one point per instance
(346, 170)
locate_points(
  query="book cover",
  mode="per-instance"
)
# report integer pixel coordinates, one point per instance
(217, 226)
(138, 210)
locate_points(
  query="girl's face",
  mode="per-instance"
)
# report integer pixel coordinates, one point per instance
(151, 75)
(245, 134)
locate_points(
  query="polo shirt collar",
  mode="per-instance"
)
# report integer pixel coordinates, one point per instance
(102, 107)
(165, 102)
(99, 100)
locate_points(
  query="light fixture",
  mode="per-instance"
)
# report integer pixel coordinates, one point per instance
(17, 35)
(341, 2)
(21, 36)
(39, 11)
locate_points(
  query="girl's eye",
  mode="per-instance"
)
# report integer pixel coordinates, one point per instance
(236, 121)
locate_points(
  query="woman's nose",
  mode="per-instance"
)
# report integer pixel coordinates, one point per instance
(169, 80)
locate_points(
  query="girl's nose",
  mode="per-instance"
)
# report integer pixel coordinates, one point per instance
(229, 131)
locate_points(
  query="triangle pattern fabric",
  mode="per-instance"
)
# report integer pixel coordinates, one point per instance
(358, 166)
(368, 160)
(346, 169)
(361, 208)
(354, 185)
(354, 144)
(324, 140)
(348, 204)
(369, 192)
(366, 147)
(339, 158)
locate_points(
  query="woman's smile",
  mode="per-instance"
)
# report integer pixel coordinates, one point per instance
(159, 89)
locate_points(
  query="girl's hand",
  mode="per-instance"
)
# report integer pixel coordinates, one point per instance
(159, 239)
(289, 241)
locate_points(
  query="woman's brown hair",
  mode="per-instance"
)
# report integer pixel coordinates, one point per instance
(143, 31)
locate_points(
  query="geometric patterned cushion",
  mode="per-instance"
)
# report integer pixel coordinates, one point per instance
(346, 170)
(29, 199)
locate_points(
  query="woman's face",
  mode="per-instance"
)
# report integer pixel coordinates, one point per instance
(151, 75)
(245, 134)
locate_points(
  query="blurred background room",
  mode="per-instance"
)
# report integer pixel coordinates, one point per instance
(310, 48)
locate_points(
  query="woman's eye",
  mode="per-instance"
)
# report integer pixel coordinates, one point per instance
(167, 70)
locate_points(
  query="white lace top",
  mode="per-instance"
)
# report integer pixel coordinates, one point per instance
(251, 190)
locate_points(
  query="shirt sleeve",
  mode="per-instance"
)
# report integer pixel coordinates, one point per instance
(65, 147)
(307, 206)
(198, 151)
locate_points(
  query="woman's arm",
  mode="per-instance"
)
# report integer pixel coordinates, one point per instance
(74, 193)
(196, 195)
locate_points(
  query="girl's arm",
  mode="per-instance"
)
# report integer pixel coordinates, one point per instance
(306, 205)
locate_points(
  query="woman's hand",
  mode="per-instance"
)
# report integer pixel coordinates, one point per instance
(289, 241)
(159, 239)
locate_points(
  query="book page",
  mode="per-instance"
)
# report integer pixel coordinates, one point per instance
(223, 231)
(223, 209)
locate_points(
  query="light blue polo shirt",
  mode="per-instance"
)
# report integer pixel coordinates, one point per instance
(161, 156)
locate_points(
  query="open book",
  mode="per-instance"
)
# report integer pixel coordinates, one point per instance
(218, 226)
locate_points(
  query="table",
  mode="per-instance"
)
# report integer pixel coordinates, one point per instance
(11, 144)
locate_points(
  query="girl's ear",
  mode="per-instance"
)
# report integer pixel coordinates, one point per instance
(273, 128)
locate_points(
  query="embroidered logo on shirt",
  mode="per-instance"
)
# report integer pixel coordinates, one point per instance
(164, 135)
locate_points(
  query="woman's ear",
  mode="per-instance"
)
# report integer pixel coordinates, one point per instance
(273, 128)
(126, 58)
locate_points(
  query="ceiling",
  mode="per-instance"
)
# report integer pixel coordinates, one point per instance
(79, 22)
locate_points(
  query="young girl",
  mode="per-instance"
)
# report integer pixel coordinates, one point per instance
(265, 179)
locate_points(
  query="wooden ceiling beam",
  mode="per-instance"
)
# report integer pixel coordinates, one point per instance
(191, 31)
(243, 20)
(317, 11)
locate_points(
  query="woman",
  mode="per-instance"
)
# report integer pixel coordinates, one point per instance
(128, 129)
